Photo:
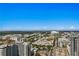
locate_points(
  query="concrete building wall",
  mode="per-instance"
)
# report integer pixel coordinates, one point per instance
(73, 46)
(20, 49)
(24, 49)
(2, 50)
(27, 49)
(78, 47)
(15, 51)
(12, 50)
(8, 51)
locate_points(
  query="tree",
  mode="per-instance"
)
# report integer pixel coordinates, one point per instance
(49, 47)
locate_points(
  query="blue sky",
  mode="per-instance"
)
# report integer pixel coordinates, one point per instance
(39, 16)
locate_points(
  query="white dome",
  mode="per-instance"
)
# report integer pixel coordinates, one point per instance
(54, 32)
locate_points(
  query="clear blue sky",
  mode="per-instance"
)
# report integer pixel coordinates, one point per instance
(39, 16)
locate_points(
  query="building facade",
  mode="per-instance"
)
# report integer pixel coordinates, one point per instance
(75, 46)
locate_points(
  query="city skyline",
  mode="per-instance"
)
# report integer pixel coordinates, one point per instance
(39, 16)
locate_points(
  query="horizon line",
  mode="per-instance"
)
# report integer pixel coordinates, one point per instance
(43, 30)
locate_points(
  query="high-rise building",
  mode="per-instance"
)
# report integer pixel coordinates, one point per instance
(74, 45)
(8, 50)
(24, 49)
(77, 46)
(2, 50)
(20, 49)
(27, 49)
(12, 50)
